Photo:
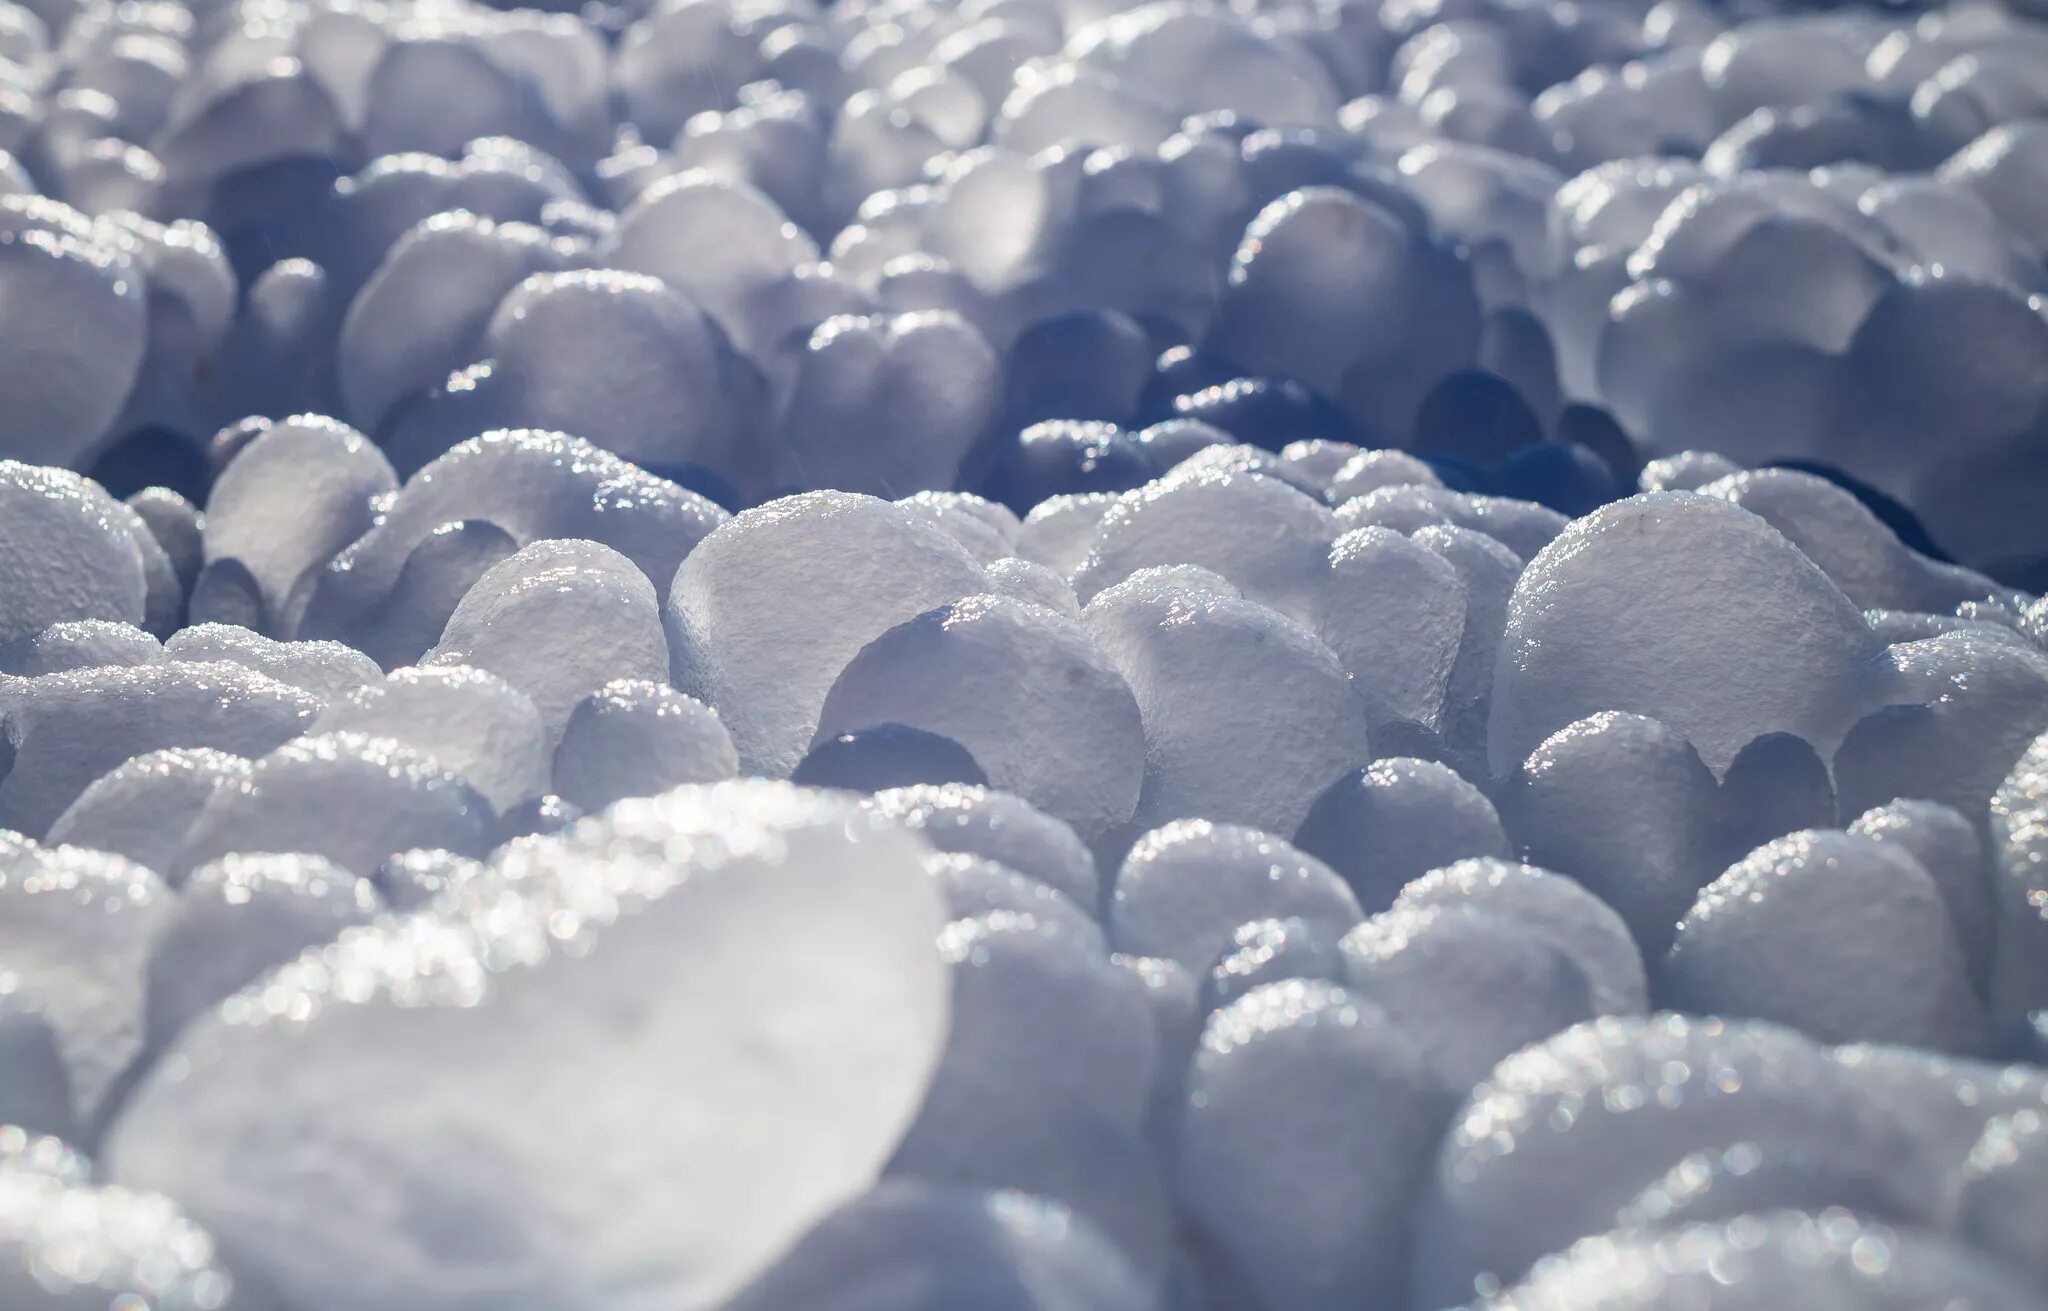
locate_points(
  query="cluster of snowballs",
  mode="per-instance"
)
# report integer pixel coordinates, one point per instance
(1023, 655)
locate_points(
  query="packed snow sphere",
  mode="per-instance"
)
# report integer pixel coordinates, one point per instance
(1023, 655)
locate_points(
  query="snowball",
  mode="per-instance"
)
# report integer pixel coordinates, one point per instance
(1000, 827)
(1267, 538)
(76, 933)
(914, 1246)
(65, 1243)
(1747, 1179)
(235, 921)
(66, 553)
(637, 739)
(1184, 890)
(766, 955)
(1592, 935)
(289, 501)
(1393, 612)
(623, 361)
(474, 724)
(1026, 691)
(79, 644)
(1248, 717)
(67, 730)
(422, 314)
(1610, 1105)
(1047, 1038)
(763, 616)
(35, 1093)
(558, 620)
(1306, 1199)
(57, 267)
(327, 670)
(529, 486)
(352, 799)
(1948, 847)
(1468, 985)
(1625, 806)
(886, 406)
(1877, 955)
(144, 807)
(1388, 824)
(1270, 951)
(1598, 622)
(1784, 1259)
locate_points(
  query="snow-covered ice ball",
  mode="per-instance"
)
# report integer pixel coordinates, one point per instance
(665, 233)
(286, 505)
(35, 1091)
(1306, 1199)
(976, 887)
(620, 359)
(423, 312)
(1269, 951)
(1625, 806)
(1591, 933)
(2019, 850)
(1059, 531)
(1611, 1105)
(1877, 954)
(237, 919)
(883, 405)
(634, 738)
(1862, 556)
(1184, 889)
(1047, 1038)
(1248, 716)
(1326, 281)
(1747, 1179)
(143, 808)
(1951, 850)
(558, 620)
(1788, 1258)
(475, 724)
(914, 1246)
(765, 955)
(71, 1244)
(1946, 1101)
(1369, 471)
(527, 485)
(884, 756)
(1000, 827)
(2004, 1184)
(764, 614)
(986, 529)
(1488, 571)
(352, 799)
(1035, 583)
(1386, 825)
(1267, 538)
(66, 730)
(77, 934)
(1041, 708)
(1601, 621)
(327, 670)
(1468, 985)
(1963, 712)
(411, 879)
(64, 555)
(58, 267)
(78, 644)
(1394, 612)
